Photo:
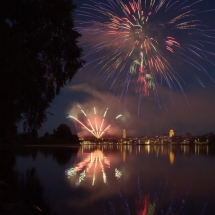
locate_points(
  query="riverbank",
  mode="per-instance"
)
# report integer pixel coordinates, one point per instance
(41, 145)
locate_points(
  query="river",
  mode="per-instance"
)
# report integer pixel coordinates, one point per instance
(113, 179)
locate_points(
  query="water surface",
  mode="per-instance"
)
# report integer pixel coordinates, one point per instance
(110, 179)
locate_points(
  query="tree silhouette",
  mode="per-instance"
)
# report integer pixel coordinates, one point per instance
(63, 132)
(38, 56)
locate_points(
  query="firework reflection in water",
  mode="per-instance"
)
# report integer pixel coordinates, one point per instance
(159, 203)
(91, 164)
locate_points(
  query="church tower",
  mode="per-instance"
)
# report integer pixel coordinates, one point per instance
(123, 133)
(171, 133)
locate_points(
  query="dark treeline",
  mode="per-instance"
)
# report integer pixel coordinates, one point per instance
(38, 56)
(61, 135)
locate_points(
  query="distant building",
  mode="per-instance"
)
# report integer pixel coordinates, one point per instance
(124, 133)
(171, 133)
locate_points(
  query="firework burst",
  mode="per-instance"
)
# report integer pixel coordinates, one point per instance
(142, 37)
(96, 128)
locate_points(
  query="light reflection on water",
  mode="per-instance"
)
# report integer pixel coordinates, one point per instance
(151, 179)
(89, 167)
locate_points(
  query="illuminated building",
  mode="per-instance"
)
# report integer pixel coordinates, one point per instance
(171, 133)
(124, 133)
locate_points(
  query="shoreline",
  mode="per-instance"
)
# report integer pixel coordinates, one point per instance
(34, 145)
(99, 144)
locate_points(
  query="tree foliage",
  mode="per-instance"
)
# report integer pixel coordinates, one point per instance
(63, 132)
(38, 56)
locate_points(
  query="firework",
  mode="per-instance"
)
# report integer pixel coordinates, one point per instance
(94, 159)
(95, 128)
(118, 116)
(140, 37)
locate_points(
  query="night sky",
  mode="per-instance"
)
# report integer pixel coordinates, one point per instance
(191, 111)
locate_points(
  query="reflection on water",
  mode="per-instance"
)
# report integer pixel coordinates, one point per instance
(118, 173)
(113, 179)
(144, 207)
(137, 167)
(171, 157)
(89, 167)
(158, 150)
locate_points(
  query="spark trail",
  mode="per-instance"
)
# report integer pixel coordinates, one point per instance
(142, 37)
(97, 128)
